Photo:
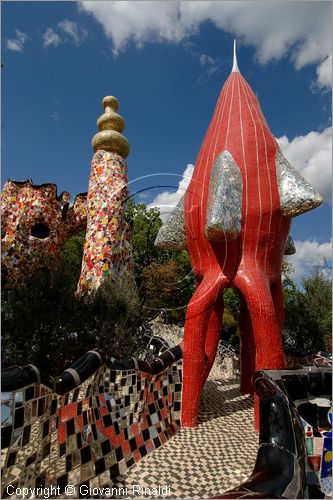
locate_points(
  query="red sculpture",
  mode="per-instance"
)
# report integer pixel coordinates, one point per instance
(236, 215)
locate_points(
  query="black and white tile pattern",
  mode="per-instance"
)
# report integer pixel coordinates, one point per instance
(215, 456)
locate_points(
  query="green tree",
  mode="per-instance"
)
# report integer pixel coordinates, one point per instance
(151, 262)
(308, 322)
(166, 286)
(44, 324)
(318, 293)
(145, 224)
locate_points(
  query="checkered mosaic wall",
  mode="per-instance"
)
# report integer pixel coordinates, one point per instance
(92, 433)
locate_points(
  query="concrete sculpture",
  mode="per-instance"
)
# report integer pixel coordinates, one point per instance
(107, 249)
(35, 225)
(234, 220)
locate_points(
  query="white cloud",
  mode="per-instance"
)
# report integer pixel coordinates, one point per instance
(309, 254)
(71, 29)
(51, 37)
(311, 154)
(138, 21)
(301, 30)
(167, 200)
(211, 66)
(70, 33)
(17, 44)
(324, 73)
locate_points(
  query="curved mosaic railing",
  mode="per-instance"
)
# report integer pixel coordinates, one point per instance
(294, 410)
(151, 345)
(89, 425)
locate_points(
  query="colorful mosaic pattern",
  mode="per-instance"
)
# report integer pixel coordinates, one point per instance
(316, 360)
(94, 432)
(107, 249)
(35, 225)
(318, 441)
(217, 455)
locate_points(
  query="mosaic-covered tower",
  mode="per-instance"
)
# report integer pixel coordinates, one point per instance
(234, 220)
(107, 248)
(35, 225)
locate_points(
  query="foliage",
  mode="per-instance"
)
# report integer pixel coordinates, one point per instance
(145, 224)
(164, 277)
(318, 290)
(231, 302)
(47, 326)
(166, 286)
(308, 320)
(118, 304)
(230, 331)
(286, 270)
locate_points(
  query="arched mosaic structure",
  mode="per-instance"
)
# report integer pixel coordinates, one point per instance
(35, 224)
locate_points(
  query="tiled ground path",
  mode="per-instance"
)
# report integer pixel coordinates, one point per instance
(215, 456)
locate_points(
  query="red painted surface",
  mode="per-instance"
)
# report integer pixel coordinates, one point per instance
(251, 263)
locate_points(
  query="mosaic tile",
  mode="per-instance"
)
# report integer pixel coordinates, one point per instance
(107, 249)
(87, 431)
(202, 462)
(35, 225)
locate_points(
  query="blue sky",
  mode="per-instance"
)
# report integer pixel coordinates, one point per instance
(166, 63)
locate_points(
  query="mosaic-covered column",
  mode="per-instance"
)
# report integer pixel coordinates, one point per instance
(107, 248)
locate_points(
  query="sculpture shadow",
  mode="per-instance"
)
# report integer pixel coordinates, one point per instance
(217, 402)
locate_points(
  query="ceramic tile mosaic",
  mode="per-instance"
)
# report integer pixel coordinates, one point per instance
(217, 455)
(316, 360)
(92, 433)
(107, 249)
(35, 225)
(306, 397)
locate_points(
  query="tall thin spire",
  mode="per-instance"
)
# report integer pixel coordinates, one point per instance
(235, 65)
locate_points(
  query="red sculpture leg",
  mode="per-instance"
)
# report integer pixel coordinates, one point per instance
(247, 349)
(214, 326)
(201, 318)
(277, 296)
(267, 332)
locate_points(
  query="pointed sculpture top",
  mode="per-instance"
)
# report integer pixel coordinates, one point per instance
(235, 65)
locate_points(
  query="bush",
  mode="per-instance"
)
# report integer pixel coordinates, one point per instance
(47, 326)
(308, 315)
(166, 286)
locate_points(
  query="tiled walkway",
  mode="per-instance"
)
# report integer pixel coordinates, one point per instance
(214, 457)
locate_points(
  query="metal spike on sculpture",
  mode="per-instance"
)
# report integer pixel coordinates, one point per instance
(234, 220)
(107, 248)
